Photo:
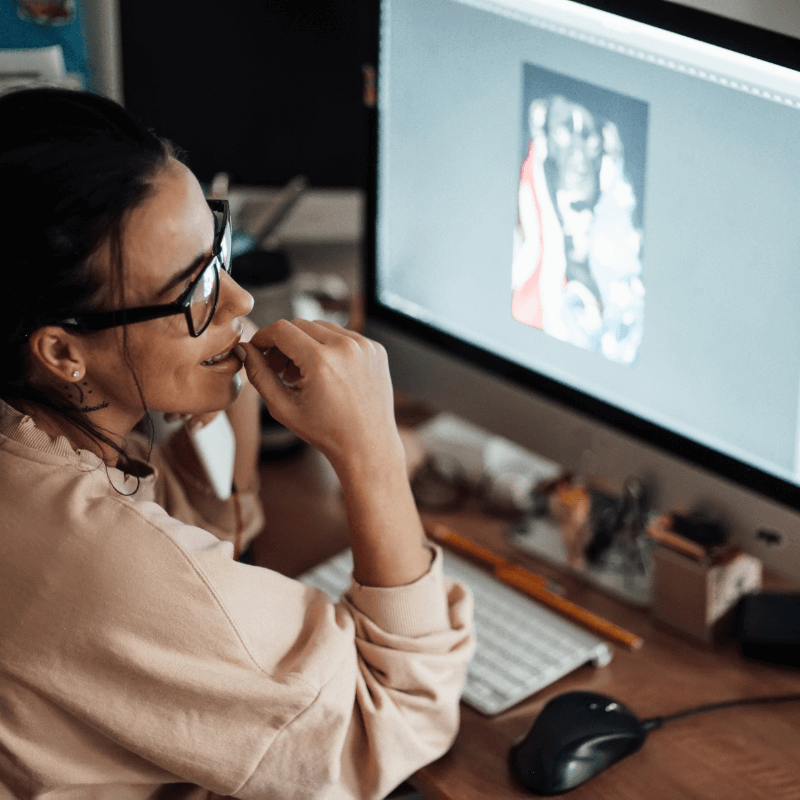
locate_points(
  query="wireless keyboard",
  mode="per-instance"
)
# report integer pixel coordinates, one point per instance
(521, 646)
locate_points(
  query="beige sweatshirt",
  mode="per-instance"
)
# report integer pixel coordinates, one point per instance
(139, 660)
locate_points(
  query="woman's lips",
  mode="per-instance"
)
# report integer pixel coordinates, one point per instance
(222, 355)
(216, 359)
(226, 362)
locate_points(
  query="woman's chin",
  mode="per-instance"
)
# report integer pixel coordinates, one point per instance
(224, 393)
(235, 389)
(221, 401)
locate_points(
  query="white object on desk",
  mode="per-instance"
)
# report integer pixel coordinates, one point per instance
(481, 454)
(215, 445)
(521, 646)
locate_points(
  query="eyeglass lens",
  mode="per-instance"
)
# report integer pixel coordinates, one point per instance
(226, 246)
(204, 296)
(203, 301)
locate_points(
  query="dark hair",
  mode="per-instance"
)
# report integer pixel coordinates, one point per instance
(71, 165)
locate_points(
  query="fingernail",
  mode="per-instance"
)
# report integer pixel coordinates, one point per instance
(241, 353)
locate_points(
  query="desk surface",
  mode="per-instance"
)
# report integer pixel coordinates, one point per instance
(735, 754)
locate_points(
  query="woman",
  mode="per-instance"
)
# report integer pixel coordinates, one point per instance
(138, 658)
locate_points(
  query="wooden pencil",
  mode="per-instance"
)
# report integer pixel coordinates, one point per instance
(533, 585)
(597, 624)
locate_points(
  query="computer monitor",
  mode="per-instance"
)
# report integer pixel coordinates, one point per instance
(583, 236)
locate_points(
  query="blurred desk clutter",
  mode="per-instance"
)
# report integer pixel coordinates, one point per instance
(682, 566)
(552, 515)
(594, 533)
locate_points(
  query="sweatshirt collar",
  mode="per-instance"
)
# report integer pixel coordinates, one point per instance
(22, 429)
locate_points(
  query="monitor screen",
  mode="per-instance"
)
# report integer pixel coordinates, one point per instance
(599, 206)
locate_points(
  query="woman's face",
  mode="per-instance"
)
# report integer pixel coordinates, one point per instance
(166, 242)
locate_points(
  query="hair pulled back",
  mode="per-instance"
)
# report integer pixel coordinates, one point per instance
(71, 165)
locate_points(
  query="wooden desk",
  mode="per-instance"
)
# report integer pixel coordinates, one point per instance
(736, 754)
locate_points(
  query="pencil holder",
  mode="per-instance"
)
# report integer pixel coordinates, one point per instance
(697, 596)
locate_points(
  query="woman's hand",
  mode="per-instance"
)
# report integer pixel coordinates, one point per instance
(336, 394)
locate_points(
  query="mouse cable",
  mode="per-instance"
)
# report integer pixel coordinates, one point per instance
(657, 722)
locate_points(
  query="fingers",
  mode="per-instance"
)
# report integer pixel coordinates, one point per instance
(283, 367)
(292, 337)
(329, 385)
(282, 332)
(292, 348)
(330, 334)
(285, 353)
(259, 372)
(320, 326)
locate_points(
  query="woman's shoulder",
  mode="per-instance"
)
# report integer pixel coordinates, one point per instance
(51, 494)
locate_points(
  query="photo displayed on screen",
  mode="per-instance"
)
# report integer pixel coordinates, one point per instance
(577, 270)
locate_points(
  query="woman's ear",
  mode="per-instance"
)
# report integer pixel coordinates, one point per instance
(56, 354)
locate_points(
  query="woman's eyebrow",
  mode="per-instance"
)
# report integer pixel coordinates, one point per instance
(183, 275)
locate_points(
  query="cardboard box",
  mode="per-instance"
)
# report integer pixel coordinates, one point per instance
(694, 596)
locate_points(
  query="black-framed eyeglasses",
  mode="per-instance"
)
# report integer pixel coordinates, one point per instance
(198, 303)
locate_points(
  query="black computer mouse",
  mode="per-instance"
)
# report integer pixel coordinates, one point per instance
(576, 736)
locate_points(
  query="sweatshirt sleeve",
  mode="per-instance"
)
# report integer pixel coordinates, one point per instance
(391, 703)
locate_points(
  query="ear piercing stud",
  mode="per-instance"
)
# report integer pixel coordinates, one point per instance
(76, 374)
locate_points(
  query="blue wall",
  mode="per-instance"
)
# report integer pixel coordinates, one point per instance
(18, 33)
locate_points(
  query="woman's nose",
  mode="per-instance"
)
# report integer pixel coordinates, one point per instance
(234, 301)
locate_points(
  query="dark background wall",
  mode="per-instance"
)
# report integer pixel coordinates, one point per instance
(262, 90)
